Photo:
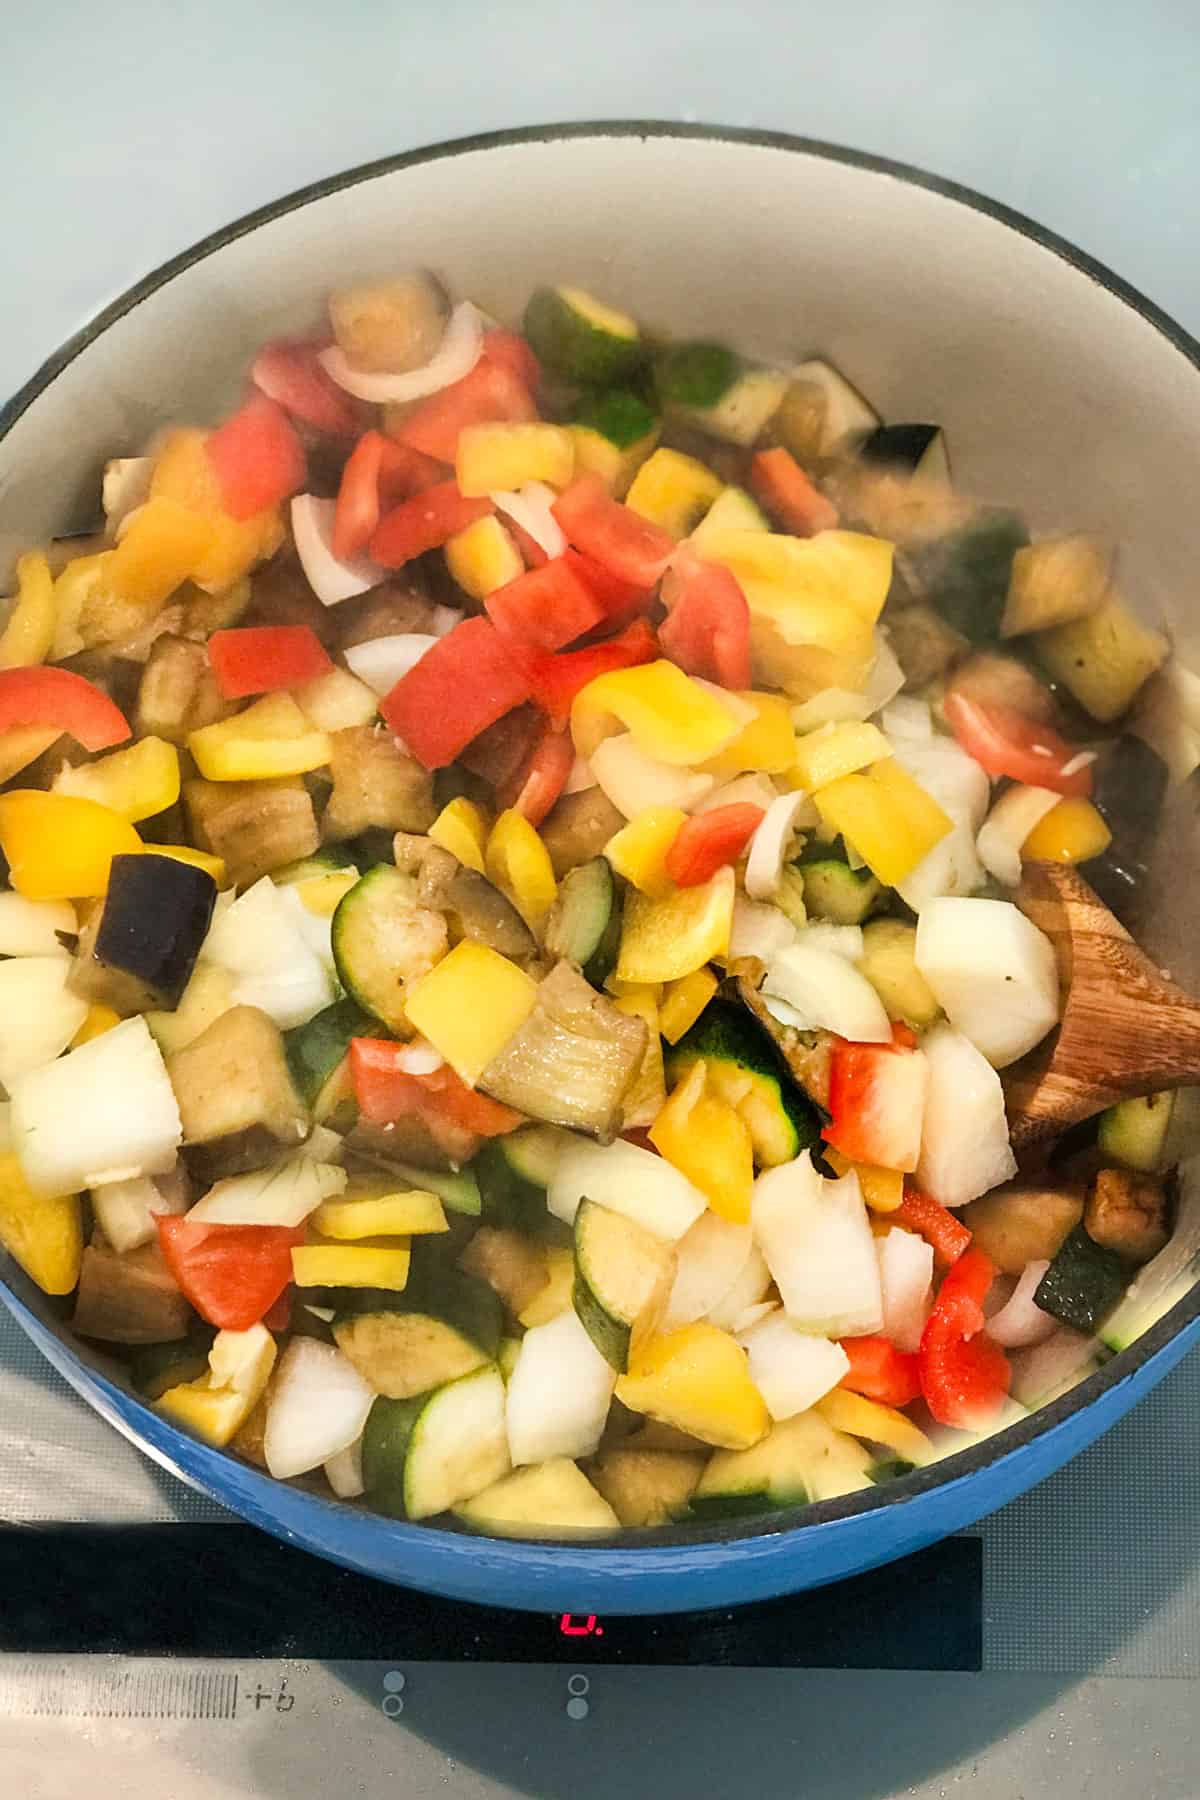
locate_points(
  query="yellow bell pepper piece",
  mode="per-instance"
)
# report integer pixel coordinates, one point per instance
(199, 859)
(767, 744)
(461, 829)
(59, 847)
(469, 1005)
(490, 458)
(183, 472)
(29, 634)
(382, 1265)
(663, 940)
(162, 544)
(674, 491)
(684, 1001)
(835, 572)
(862, 1418)
(883, 815)
(44, 1234)
(708, 1142)
(270, 739)
(99, 1020)
(697, 1379)
(322, 894)
(616, 467)
(1071, 832)
(217, 1405)
(136, 783)
(555, 1297)
(519, 864)
(647, 1092)
(618, 988)
(672, 717)
(379, 1209)
(639, 850)
(882, 1189)
(82, 577)
(22, 746)
(483, 558)
(826, 755)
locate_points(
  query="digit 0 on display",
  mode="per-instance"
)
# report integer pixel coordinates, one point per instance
(579, 1625)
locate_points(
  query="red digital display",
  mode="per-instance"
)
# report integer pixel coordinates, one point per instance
(569, 1625)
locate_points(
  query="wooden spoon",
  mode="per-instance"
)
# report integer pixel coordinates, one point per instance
(1126, 1028)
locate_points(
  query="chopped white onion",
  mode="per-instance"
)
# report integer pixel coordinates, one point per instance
(455, 356)
(906, 1276)
(743, 790)
(445, 618)
(791, 1369)
(318, 1405)
(770, 844)
(284, 1194)
(344, 1472)
(1167, 717)
(845, 940)
(758, 929)
(381, 662)
(633, 781)
(907, 717)
(581, 777)
(419, 1058)
(330, 579)
(1082, 759)
(529, 507)
(1020, 1322)
(886, 677)
(826, 992)
(993, 973)
(1007, 826)
(125, 487)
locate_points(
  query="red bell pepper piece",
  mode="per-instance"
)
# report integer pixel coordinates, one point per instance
(231, 1274)
(707, 627)
(554, 681)
(785, 490)
(508, 350)
(546, 607)
(257, 659)
(538, 785)
(708, 841)
(621, 600)
(628, 546)
(424, 523)
(934, 1222)
(290, 374)
(68, 702)
(881, 1372)
(463, 684)
(386, 1091)
(1005, 742)
(378, 472)
(257, 457)
(493, 393)
(964, 1375)
(876, 1101)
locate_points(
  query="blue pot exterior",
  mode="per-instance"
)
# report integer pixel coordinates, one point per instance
(636, 1577)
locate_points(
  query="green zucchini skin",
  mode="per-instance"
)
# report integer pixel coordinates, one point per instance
(965, 574)
(725, 1034)
(835, 892)
(1083, 1284)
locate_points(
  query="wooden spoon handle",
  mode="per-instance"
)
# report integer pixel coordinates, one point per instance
(1126, 1027)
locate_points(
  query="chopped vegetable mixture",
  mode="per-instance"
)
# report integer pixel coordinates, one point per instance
(510, 939)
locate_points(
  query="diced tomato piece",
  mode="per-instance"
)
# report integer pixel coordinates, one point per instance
(707, 627)
(424, 523)
(532, 554)
(554, 681)
(291, 375)
(628, 546)
(492, 393)
(881, 1372)
(947, 1236)
(231, 1274)
(541, 781)
(463, 684)
(378, 472)
(546, 607)
(708, 841)
(964, 1375)
(621, 600)
(509, 350)
(386, 1091)
(69, 702)
(1007, 743)
(785, 490)
(877, 1102)
(257, 659)
(257, 457)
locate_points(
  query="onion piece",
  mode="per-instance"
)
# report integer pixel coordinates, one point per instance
(420, 1058)
(633, 781)
(846, 940)
(456, 355)
(1007, 826)
(907, 717)
(825, 991)
(581, 777)
(743, 790)
(529, 507)
(330, 579)
(445, 618)
(1020, 1323)
(770, 844)
(381, 662)
(758, 929)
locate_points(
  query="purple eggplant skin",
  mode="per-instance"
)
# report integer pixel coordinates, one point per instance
(156, 916)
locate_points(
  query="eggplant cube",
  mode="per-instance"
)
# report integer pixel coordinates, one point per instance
(141, 947)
